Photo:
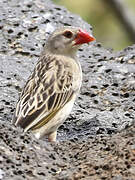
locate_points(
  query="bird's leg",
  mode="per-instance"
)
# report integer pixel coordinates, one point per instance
(52, 136)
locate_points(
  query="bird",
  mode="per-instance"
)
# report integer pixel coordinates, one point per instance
(52, 88)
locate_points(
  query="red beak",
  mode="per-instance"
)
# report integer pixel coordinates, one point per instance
(83, 37)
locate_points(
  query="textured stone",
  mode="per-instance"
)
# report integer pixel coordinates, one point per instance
(88, 146)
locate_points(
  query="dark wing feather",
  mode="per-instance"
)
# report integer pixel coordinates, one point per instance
(48, 89)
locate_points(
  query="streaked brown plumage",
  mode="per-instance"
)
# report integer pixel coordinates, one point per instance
(50, 92)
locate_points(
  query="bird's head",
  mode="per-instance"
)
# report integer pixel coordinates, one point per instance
(66, 40)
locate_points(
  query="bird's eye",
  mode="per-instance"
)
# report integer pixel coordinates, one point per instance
(68, 34)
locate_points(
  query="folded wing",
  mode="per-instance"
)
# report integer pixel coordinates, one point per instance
(48, 89)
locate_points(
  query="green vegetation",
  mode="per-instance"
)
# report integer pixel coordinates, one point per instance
(106, 26)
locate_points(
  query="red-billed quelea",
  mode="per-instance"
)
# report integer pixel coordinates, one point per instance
(49, 94)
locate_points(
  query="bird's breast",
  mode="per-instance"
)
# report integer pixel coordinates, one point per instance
(76, 71)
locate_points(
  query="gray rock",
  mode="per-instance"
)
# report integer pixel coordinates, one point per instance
(106, 104)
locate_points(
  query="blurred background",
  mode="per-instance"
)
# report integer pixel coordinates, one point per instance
(113, 21)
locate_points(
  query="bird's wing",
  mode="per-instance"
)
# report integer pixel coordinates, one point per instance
(48, 89)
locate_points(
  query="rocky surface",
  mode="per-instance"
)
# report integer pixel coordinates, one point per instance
(98, 139)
